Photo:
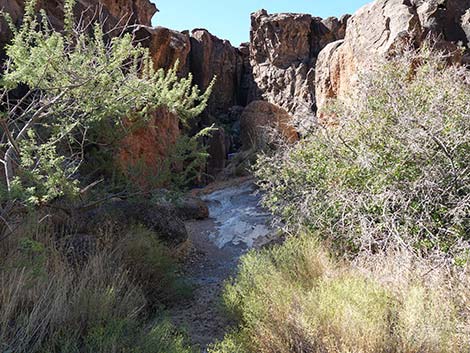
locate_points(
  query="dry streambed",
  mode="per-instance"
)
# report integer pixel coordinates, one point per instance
(236, 224)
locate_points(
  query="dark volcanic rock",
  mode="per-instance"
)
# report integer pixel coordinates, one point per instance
(213, 57)
(121, 214)
(116, 12)
(191, 208)
(283, 53)
(217, 149)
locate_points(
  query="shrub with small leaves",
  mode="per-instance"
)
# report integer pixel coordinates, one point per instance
(75, 79)
(392, 169)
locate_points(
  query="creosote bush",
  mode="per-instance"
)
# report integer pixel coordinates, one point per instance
(392, 167)
(297, 298)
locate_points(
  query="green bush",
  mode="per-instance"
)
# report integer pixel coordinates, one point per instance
(181, 169)
(74, 81)
(390, 169)
(152, 266)
(297, 298)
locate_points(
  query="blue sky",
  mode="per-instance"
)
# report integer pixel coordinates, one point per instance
(231, 19)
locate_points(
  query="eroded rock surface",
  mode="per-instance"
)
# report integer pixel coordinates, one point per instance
(293, 61)
(386, 27)
(167, 47)
(116, 12)
(213, 57)
(283, 53)
(258, 118)
(144, 152)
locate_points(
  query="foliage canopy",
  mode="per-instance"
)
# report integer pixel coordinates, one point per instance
(59, 85)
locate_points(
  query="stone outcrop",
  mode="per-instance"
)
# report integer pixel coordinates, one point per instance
(283, 53)
(384, 28)
(217, 150)
(294, 63)
(143, 153)
(191, 208)
(167, 47)
(213, 57)
(204, 56)
(160, 218)
(116, 12)
(15, 9)
(258, 118)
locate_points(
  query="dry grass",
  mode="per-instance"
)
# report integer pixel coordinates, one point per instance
(51, 303)
(434, 310)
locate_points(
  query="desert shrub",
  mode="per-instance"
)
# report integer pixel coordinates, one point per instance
(152, 266)
(73, 81)
(297, 298)
(49, 303)
(390, 169)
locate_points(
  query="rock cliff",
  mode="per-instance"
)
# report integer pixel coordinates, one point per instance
(386, 27)
(294, 62)
(283, 53)
(115, 12)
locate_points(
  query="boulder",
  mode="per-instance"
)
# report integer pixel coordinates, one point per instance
(167, 47)
(119, 215)
(443, 19)
(191, 208)
(259, 117)
(385, 28)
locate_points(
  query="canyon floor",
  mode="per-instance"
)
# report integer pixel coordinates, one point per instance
(237, 223)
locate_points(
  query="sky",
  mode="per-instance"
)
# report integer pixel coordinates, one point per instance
(231, 19)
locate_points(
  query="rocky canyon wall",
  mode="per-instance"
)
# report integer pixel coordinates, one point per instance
(294, 62)
(384, 28)
(283, 54)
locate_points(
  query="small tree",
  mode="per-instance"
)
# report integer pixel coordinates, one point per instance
(69, 82)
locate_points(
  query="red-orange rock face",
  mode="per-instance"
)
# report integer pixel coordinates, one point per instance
(168, 47)
(150, 146)
(144, 153)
